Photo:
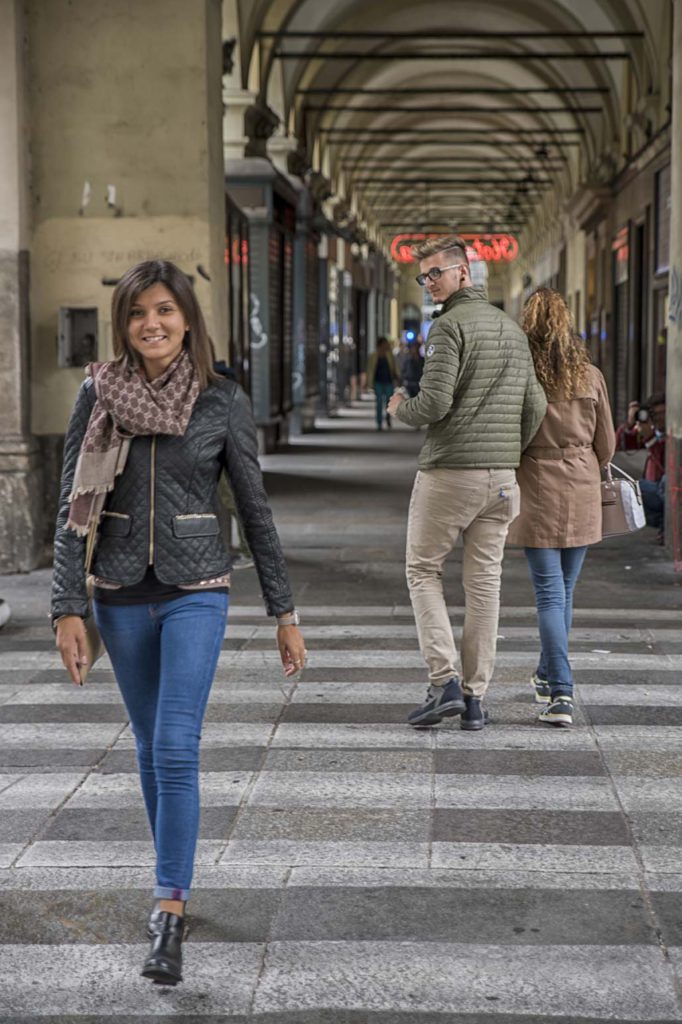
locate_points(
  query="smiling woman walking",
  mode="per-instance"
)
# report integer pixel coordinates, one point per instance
(149, 437)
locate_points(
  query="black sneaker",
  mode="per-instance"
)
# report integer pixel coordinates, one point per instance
(441, 702)
(559, 712)
(474, 717)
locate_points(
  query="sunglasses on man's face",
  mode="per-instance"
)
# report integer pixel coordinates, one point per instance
(434, 273)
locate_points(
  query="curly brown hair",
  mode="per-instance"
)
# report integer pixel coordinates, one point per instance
(560, 357)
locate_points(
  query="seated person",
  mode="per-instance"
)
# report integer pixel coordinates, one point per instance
(645, 428)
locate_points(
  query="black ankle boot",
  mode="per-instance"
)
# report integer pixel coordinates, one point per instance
(164, 963)
(153, 923)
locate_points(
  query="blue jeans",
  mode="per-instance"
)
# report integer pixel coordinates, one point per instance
(164, 658)
(653, 500)
(555, 572)
(383, 393)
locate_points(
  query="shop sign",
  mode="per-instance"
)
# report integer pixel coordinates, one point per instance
(621, 251)
(490, 248)
(239, 251)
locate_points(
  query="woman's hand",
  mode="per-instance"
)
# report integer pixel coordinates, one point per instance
(291, 649)
(72, 646)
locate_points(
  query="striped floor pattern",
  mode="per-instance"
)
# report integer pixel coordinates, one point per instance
(351, 870)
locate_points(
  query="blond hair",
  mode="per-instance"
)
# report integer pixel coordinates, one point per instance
(431, 246)
(560, 357)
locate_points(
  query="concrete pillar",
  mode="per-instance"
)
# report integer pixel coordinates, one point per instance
(127, 152)
(21, 531)
(674, 362)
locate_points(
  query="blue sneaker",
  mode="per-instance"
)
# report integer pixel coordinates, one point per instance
(559, 712)
(441, 702)
(543, 694)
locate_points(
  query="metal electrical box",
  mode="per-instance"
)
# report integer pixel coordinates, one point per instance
(77, 338)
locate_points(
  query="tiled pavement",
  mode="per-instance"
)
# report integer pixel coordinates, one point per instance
(351, 871)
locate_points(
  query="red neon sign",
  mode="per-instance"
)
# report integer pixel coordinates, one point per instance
(492, 248)
(240, 251)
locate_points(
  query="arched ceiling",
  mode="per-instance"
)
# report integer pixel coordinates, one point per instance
(455, 113)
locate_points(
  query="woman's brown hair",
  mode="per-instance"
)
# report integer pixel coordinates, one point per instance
(560, 357)
(138, 279)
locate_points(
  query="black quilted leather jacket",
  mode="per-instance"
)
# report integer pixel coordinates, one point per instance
(164, 507)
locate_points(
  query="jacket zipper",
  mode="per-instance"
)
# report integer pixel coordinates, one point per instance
(197, 515)
(151, 500)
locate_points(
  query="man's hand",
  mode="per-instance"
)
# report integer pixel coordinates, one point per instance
(72, 646)
(633, 409)
(396, 399)
(291, 649)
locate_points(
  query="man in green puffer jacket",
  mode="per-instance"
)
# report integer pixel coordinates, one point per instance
(482, 405)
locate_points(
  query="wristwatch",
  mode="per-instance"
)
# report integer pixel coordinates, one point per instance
(291, 618)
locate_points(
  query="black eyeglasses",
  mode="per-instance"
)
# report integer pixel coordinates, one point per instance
(434, 273)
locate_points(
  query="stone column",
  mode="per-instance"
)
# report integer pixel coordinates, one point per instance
(21, 534)
(674, 364)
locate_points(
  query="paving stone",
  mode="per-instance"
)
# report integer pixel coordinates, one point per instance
(355, 853)
(20, 826)
(332, 823)
(78, 977)
(596, 980)
(477, 825)
(519, 916)
(115, 853)
(11, 713)
(528, 763)
(45, 759)
(475, 791)
(507, 856)
(116, 791)
(390, 761)
(130, 823)
(633, 715)
(100, 917)
(213, 759)
(656, 828)
(336, 789)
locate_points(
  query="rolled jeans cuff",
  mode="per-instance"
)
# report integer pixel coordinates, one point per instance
(164, 892)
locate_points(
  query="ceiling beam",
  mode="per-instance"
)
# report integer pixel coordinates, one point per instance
(452, 90)
(455, 34)
(430, 55)
(498, 129)
(453, 110)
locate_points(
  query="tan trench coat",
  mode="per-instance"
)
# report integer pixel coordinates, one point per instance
(559, 474)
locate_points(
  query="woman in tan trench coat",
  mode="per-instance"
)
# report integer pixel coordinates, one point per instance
(559, 480)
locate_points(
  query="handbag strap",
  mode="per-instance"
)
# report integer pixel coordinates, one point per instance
(609, 473)
(90, 546)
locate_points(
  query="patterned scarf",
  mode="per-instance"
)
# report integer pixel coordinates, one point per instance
(128, 405)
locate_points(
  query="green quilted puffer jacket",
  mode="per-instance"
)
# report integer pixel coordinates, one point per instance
(478, 394)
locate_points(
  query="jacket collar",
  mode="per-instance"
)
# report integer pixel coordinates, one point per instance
(463, 295)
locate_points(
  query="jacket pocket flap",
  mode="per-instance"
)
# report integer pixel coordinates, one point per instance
(202, 524)
(115, 524)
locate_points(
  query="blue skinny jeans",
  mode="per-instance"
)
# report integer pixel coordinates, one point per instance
(164, 658)
(555, 572)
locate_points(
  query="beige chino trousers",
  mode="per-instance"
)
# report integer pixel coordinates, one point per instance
(478, 505)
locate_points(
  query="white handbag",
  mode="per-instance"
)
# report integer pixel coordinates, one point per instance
(621, 504)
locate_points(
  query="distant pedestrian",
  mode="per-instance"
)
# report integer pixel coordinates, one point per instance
(482, 403)
(149, 437)
(559, 478)
(644, 429)
(382, 377)
(411, 369)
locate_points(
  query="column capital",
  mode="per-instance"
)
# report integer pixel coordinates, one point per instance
(260, 124)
